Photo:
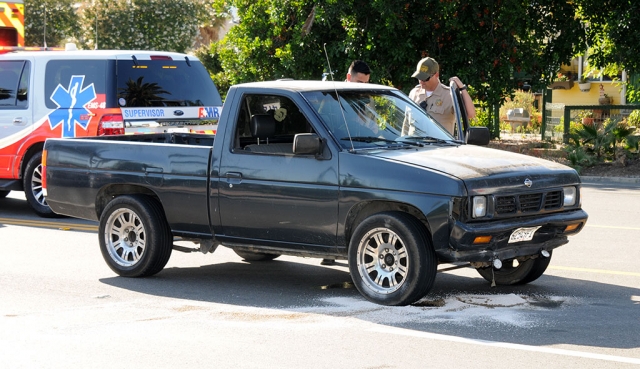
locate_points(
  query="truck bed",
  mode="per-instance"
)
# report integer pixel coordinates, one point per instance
(177, 138)
(172, 167)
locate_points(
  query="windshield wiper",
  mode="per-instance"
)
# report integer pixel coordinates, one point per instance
(371, 139)
(429, 139)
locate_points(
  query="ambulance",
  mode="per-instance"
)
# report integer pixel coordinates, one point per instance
(12, 23)
(83, 93)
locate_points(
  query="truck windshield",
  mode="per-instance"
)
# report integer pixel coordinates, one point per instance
(157, 83)
(359, 117)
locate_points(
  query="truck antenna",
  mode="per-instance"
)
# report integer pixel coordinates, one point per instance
(326, 55)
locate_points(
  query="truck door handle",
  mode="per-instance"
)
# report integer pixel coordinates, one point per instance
(18, 120)
(148, 170)
(233, 178)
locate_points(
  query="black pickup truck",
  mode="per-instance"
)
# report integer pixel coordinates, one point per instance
(321, 169)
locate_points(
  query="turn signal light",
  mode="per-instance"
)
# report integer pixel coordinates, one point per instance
(482, 239)
(571, 227)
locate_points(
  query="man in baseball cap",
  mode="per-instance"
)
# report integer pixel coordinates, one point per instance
(426, 68)
(435, 97)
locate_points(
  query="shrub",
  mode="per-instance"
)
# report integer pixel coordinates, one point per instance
(524, 100)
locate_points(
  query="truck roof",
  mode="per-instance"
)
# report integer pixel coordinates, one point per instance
(301, 85)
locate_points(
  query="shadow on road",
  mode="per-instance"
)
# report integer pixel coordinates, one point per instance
(580, 313)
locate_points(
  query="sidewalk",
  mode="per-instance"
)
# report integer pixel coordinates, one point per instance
(617, 180)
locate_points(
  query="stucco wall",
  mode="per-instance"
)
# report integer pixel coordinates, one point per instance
(576, 97)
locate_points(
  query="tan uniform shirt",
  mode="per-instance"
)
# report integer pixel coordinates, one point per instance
(439, 105)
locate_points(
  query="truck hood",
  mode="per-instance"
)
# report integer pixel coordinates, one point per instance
(485, 170)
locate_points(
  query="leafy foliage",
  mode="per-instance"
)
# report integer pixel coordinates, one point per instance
(485, 42)
(593, 143)
(522, 99)
(611, 28)
(61, 22)
(170, 25)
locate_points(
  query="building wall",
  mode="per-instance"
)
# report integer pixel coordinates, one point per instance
(576, 97)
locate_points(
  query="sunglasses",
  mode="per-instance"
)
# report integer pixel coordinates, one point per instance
(427, 79)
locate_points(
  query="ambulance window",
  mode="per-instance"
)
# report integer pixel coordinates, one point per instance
(9, 78)
(23, 88)
(59, 73)
(162, 82)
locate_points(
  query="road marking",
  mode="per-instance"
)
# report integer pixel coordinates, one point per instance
(601, 271)
(513, 346)
(613, 227)
(53, 225)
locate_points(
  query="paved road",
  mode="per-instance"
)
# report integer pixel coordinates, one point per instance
(61, 306)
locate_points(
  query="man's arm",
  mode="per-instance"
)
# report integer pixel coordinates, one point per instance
(466, 98)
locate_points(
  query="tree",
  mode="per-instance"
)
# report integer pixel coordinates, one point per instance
(170, 25)
(485, 42)
(61, 22)
(611, 28)
(614, 38)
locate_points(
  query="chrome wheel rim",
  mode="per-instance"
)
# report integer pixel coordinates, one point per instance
(36, 186)
(125, 237)
(382, 260)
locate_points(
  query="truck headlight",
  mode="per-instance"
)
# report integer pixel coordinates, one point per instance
(569, 196)
(479, 207)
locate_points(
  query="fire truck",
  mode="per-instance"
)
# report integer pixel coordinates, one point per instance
(12, 23)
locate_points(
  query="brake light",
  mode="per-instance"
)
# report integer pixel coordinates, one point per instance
(44, 172)
(111, 124)
(160, 57)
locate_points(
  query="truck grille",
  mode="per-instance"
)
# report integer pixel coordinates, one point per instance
(528, 203)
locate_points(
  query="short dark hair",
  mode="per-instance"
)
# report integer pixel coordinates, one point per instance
(358, 66)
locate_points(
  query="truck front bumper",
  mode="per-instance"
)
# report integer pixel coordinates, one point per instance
(551, 234)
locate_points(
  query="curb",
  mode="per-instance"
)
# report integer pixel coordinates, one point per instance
(622, 180)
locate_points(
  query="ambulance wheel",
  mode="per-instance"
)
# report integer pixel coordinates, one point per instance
(32, 184)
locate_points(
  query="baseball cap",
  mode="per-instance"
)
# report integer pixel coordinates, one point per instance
(426, 67)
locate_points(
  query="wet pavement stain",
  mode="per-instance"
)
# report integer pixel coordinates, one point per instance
(545, 302)
(337, 285)
(430, 303)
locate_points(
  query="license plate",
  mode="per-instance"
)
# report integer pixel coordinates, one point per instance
(523, 234)
(177, 130)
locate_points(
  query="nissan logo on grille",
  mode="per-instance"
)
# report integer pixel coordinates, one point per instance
(528, 182)
(178, 112)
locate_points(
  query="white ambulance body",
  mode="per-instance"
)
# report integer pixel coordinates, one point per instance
(79, 93)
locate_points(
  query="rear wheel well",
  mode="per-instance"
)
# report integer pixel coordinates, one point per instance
(34, 149)
(108, 193)
(365, 209)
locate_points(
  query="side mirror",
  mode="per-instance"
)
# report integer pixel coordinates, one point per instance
(478, 136)
(307, 144)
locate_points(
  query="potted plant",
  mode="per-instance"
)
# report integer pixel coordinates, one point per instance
(583, 82)
(561, 82)
(604, 100)
(587, 118)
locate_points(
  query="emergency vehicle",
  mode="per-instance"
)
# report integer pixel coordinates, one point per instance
(12, 23)
(80, 93)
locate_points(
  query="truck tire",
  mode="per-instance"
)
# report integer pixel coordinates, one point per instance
(135, 239)
(4, 194)
(255, 256)
(512, 274)
(391, 259)
(32, 184)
